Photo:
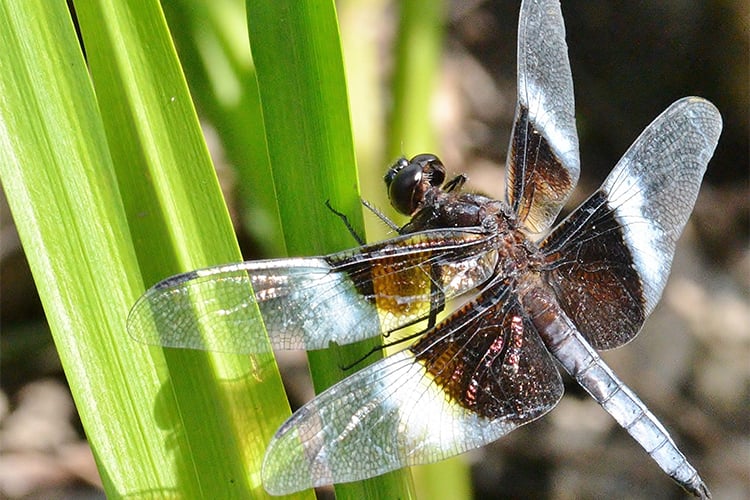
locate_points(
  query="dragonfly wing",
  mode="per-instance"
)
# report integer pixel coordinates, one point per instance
(307, 303)
(610, 259)
(470, 380)
(543, 162)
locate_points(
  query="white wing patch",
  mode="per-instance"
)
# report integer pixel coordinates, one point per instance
(387, 416)
(653, 188)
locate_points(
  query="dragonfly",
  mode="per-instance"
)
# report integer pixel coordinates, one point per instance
(532, 293)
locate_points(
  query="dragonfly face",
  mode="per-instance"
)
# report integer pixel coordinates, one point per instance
(487, 368)
(409, 181)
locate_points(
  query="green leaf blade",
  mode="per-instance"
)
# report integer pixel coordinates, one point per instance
(161, 423)
(180, 222)
(297, 54)
(51, 144)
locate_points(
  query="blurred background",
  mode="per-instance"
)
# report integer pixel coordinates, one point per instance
(630, 60)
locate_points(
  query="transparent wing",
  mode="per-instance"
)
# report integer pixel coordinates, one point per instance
(621, 241)
(306, 303)
(543, 163)
(475, 377)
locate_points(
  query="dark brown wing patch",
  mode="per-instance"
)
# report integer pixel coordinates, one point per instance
(538, 182)
(488, 358)
(591, 269)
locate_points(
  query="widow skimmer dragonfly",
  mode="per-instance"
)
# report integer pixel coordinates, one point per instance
(487, 368)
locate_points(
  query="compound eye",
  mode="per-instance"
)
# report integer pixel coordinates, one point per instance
(397, 167)
(404, 186)
(409, 181)
(432, 167)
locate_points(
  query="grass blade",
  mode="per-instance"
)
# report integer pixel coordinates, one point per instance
(103, 205)
(58, 177)
(297, 54)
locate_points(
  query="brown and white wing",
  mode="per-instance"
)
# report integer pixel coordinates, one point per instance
(470, 380)
(543, 162)
(609, 260)
(307, 303)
